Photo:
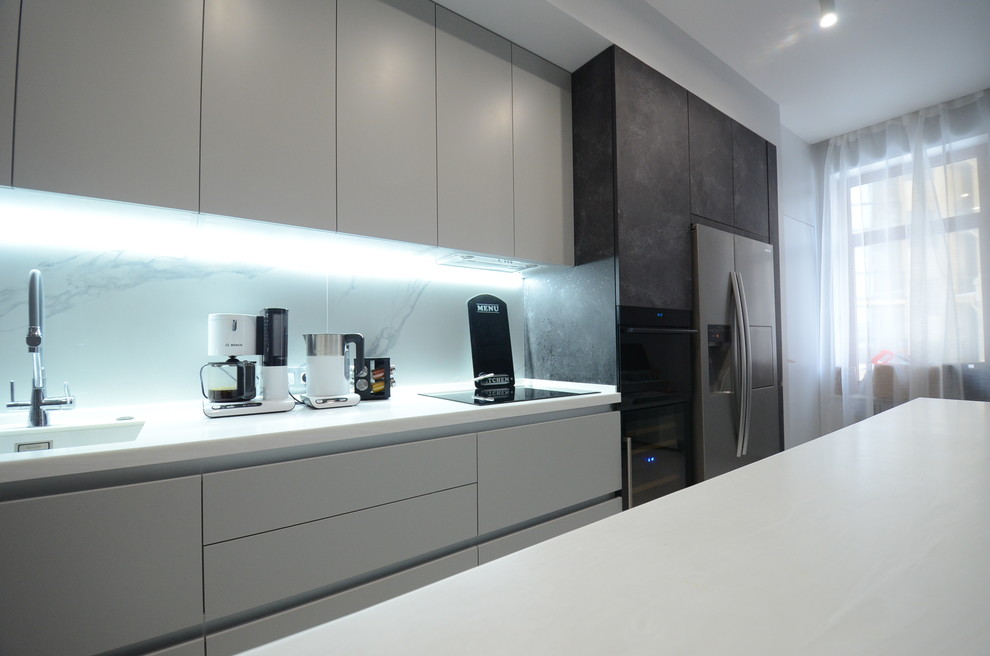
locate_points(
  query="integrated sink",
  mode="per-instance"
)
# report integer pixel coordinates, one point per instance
(69, 432)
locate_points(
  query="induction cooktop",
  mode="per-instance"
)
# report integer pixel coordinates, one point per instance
(494, 395)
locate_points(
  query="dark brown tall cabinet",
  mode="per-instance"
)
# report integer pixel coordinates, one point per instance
(631, 178)
(730, 171)
(650, 159)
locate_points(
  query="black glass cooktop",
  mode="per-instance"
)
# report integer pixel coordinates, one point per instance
(503, 395)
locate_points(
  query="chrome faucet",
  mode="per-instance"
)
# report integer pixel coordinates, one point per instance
(39, 403)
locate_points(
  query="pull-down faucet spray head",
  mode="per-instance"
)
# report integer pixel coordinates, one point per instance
(36, 310)
(36, 325)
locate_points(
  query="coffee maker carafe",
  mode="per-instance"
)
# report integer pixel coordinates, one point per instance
(232, 380)
(229, 386)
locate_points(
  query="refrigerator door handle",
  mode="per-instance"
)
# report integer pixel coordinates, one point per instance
(740, 358)
(747, 365)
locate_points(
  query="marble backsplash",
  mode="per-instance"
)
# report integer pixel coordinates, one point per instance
(570, 323)
(128, 291)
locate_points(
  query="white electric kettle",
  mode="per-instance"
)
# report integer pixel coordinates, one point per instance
(328, 378)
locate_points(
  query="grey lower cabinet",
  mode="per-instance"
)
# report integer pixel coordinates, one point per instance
(268, 120)
(543, 180)
(293, 544)
(387, 119)
(531, 472)
(253, 500)
(474, 137)
(277, 625)
(249, 573)
(108, 100)
(10, 14)
(192, 648)
(527, 537)
(296, 543)
(105, 569)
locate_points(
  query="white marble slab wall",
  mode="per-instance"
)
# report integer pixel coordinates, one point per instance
(128, 291)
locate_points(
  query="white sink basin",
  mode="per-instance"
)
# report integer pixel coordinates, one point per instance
(66, 432)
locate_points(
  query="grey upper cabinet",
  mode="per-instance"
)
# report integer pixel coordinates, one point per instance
(268, 111)
(542, 160)
(474, 137)
(10, 12)
(710, 134)
(108, 100)
(100, 570)
(386, 119)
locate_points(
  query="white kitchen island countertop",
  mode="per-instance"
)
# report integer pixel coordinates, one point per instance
(873, 540)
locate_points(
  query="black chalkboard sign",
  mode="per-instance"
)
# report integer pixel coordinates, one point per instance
(491, 345)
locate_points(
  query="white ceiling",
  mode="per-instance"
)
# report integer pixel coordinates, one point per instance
(883, 59)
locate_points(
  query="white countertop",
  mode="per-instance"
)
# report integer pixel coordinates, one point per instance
(871, 540)
(181, 432)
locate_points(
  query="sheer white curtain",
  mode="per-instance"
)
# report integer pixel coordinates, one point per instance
(905, 261)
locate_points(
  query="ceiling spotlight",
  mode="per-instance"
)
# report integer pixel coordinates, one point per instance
(828, 13)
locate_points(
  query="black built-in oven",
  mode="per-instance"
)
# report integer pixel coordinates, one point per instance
(656, 356)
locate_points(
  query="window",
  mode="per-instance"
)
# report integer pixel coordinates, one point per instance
(906, 261)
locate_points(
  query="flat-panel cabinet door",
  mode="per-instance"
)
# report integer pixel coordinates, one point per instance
(543, 164)
(268, 111)
(541, 469)
(307, 559)
(652, 220)
(474, 137)
(108, 100)
(710, 136)
(386, 119)
(94, 571)
(10, 13)
(751, 210)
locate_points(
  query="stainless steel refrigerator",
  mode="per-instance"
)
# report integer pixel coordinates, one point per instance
(737, 406)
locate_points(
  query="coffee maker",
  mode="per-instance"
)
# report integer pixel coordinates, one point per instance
(229, 387)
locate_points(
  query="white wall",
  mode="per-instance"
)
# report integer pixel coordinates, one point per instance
(637, 27)
(799, 283)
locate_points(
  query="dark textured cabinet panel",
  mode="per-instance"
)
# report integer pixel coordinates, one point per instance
(710, 133)
(749, 170)
(653, 237)
(570, 312)
(593, 119)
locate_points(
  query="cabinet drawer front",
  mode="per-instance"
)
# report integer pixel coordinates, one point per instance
(256, 499)
(94, 571)
(535, 470)
(260, 569)
(299, 618)
(513, 542)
